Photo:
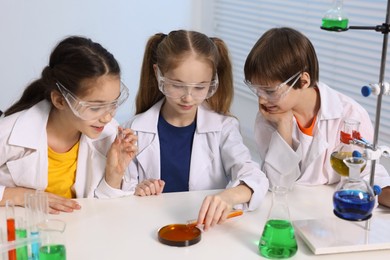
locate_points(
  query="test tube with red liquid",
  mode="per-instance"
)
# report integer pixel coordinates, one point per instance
(11, 234)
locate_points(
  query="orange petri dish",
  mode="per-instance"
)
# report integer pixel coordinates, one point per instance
(179, 235)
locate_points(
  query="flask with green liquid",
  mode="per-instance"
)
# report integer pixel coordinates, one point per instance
(335, 19)
(278, 237)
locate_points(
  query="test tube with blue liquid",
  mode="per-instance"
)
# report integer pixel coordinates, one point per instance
(36, 205)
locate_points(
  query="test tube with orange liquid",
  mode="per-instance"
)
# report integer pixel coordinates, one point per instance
(11, 234)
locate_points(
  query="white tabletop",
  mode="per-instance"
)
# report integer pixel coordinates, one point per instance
(127, 227)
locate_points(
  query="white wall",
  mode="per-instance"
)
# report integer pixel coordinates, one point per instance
(29, 29)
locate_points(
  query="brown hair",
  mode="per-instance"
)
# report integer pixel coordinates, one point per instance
(279, 54)
(169, 50)
(72, 61)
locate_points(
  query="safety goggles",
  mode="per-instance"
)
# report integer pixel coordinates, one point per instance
(276, 93)
(87, 110)
(176, 89)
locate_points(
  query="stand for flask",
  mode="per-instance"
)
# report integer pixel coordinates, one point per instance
(335, 235)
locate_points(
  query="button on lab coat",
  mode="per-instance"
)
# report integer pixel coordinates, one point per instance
(24, 156)
(219, 159)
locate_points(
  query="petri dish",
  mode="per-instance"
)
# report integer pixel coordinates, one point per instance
(179, 235)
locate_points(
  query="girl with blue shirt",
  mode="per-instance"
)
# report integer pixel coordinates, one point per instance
(187, 138)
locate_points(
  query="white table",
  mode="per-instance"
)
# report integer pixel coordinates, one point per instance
(126, 228)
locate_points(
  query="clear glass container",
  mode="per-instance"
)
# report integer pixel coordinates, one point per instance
(278, 237)
(52, 245)
(344, 149)
(335, 18)
(354, 199)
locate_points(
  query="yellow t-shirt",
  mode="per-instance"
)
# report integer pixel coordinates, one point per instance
(62, 171)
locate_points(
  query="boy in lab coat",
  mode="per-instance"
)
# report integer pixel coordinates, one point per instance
(299, 119)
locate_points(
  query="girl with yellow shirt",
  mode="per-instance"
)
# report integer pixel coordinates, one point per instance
(60, 136)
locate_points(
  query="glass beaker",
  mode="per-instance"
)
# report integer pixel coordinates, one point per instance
(335, 18)
(344, 149)
(354, 199)
(278, 237)
(52, 240)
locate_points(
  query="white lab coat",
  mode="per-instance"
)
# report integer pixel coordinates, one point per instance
(24, 157)
(219, 158)
(308, 162)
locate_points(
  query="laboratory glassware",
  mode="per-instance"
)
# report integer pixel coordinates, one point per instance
(278, 237)
(185, 234)
(52, 240)
(11, 234)
(345, 148)
(354, 199)
(335, 18)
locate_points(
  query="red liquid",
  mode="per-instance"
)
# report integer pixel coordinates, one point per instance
(11, 235)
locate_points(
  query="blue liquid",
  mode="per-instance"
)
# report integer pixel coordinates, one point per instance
(353, 204)
(35, 247)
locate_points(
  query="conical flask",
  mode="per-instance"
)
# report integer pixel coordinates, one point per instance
(278, 237)
(335, 18)
(344, 149)
(354, 199)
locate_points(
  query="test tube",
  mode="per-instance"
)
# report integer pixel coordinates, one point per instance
(21, 233)
(3, 254)
(36, 205)
(11, 235)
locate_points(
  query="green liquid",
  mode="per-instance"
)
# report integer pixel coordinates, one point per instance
(21, 252)
(335, 25)
(52, 252)
(278, 240)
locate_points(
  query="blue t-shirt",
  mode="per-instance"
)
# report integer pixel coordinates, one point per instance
(175, 154)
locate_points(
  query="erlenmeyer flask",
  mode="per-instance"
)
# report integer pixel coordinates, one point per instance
(354, 199)
(344, 149)
(335, 19)
(278, 237)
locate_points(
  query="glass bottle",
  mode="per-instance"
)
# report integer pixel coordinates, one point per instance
(354, 199)
(344, 149)
(278, 237)
(335, 19)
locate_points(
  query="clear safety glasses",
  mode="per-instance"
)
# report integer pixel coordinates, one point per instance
(177, 89)
(87, 110)
(276, 93)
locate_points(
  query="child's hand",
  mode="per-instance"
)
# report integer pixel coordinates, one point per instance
(214, 210)
(149, 187)
(282, 120)
(276, 117)
(58, 204)
(121, 153)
